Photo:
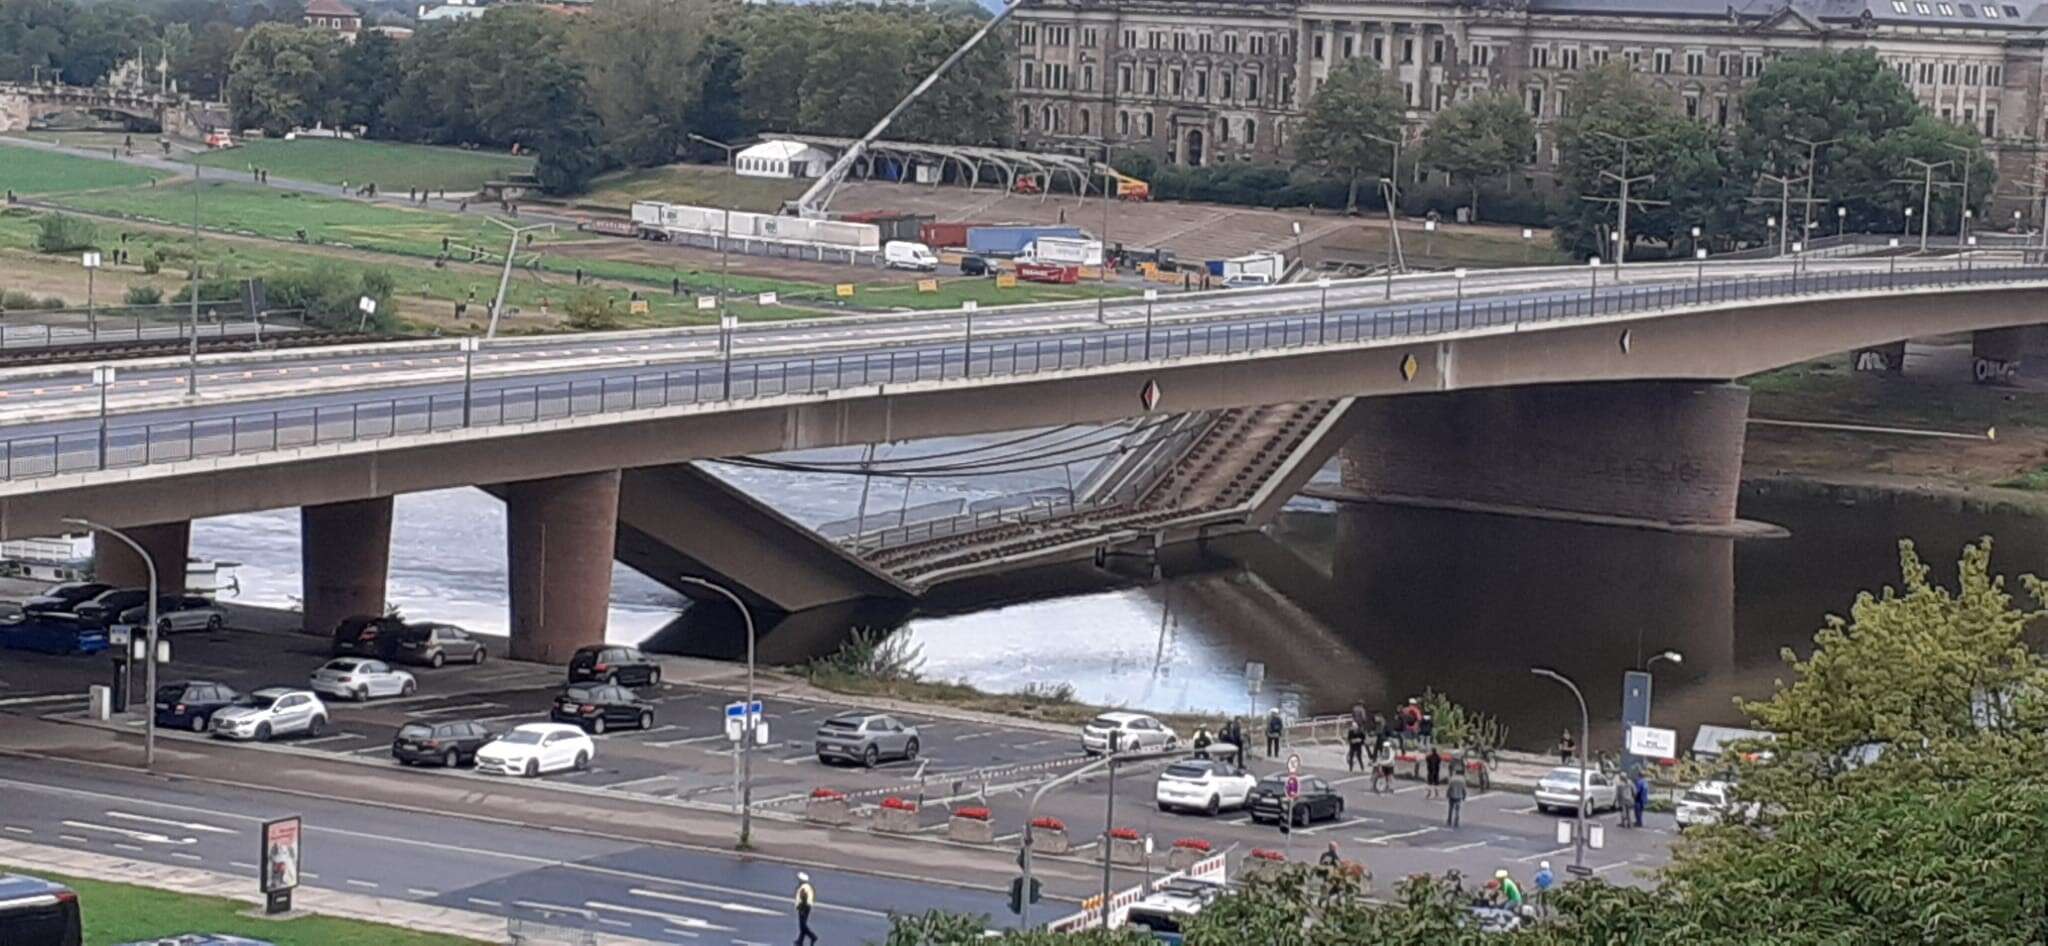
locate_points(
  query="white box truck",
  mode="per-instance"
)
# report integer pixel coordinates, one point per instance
(1065, 251)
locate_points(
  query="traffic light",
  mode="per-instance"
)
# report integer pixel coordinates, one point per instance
(1018, 893)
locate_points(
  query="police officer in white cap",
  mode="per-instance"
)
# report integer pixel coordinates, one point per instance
(806, 897)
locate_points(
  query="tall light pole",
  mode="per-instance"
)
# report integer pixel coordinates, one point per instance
(91, 261)
(505, 277)
(1782, 220)
(1926, 195)
(1392, 188)
(1812, 152)
(469, 346)
(1585, 746)
(1108, 185)
(747, 733)
(149, 677)
(103, 377)
(1671, 655)
(1323, 307)
(729, 150)
(1621, 203)
(192, 361)
(1969, 155)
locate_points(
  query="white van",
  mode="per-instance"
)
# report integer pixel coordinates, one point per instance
(903, 254)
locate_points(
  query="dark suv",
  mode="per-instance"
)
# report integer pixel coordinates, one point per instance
(64, 598)
(191, 704)
(367, 636)
(613, 664)
(451, 743)
(104, 609)
(599, 707)
(437, 644)
(36, 912)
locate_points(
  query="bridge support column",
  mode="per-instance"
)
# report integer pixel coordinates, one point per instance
(344, 557)
(1654, 453)
(1995, 354)
(1885, 359)
(168, 544)
(560, 534)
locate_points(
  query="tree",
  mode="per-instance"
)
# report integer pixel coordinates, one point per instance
(1357, 106)
(278, 79)
(64, 233)
(367, 78)
(618, 46)
(716, 113)
(1684, 156)
(1479, 140)
(1934, 141)
(1852, 98)
(591, 311)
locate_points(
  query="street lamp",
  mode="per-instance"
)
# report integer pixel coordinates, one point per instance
(1695, 238)
(192, 359)
(1909, 223)
(103, 376)
(1699, 255)
(1529, 235)
(1593, 268)
(1585, 746)
(1151, 296)
(91, 261)
(727, 326)
(1458, 307)
(149, 678)
(1671, 655)
(469, 345)
(747, 732)
(1323, 308)
(967, 308)
(1841, 221)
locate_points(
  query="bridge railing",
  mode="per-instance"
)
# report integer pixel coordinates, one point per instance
(86, 446)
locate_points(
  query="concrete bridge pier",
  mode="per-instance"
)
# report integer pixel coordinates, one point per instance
(560, 534)
(1647, 453)
(344, 557)
(1883, 359)
(1995, 354)
(168, 543)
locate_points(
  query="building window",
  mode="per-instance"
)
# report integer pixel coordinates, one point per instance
(1225, 81)
(1204, 42)
(1258, 44)
(1945, 9)
(1201, 83)
(1948, 73)
(1899, 6)
(1752, 66)
(1155, 39)
(1970, 75)
(1286, 90)
(1536, 101)
(1146, 124)
(1721, 110)
(1436, 51)
(1173, 86)
(1350, 46)
(1045, 119)
(1251, 87)
(1251, 131)
(1660, 61)
(1634, 57)
(1990, 12)
(1180, 42)
(1130, 39)
(1084, 121)
(1923, 9)
(1408, 93)
(1123, 123)
(1408, 51)
(1123, 79)
(1692, 105)
(1539, 57)
(1223, 130)
(1030, 75)
(1058, 35)
(1568, 57)
(1087, 78)
(1926, 73)
(1994, 76)
(1379, 50)
(1230, 42)
(1027, 34)
(1695, 63)
(1090, 38)
(1482, 55)
(1991, 123)
(1151, 80)
(1316, 47)
(1599, 58)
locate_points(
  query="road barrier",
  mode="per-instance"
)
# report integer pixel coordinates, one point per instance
(1213, 868)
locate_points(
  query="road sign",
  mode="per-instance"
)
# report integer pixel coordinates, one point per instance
(927, 285)
(1151, 295)
(969, 305)
(1293, 763)
(766, 298)
(728, 323)
(1149, 395)
(368, 305)
(843, 290)
(1653, 743)
(707, 303)
(91, 260)
(638, 307)
(737, 710)
(117, 636)
(1293, 786)
(1006, 281)
(103, 375)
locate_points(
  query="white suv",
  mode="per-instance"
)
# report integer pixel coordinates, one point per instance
(536, 748)
(1135, 732)
(276, 711)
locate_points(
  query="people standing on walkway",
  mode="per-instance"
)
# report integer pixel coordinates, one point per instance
(1232, 734)
(1433, 767)
(1510, 893)
(1354, 747)
(1274, 728)
(1642, 794)
(1455, 799)
(1544, 881)
(1625, 798)
(1411, 722)
(1565, 746)
(1426, 730)
(1383, 770)
(1359, 716)
(806, 898)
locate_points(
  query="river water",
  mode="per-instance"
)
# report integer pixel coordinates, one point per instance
(1339, 602)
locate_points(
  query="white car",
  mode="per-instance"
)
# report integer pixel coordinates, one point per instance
(1559, 790)
(276, 711)
(1203, 785)
(536, 748)
(1136, 732)
(1710, 802)
(358, 679)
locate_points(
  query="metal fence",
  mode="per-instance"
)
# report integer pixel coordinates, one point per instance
(170, 321)
(133, 445)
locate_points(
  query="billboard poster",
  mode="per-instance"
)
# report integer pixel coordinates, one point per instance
(279, 863)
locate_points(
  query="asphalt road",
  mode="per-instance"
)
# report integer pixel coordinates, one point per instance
(660, 893)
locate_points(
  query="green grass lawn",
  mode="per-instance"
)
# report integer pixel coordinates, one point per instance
(121, 913)
(696, 184)
(29, 171)
(393, 167)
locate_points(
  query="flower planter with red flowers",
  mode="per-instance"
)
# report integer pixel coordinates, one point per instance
(1126, 847)
(826, 806)
(1185, 852)
(895, 816)
(971, 826)
(1262, 861)
(1049, 836)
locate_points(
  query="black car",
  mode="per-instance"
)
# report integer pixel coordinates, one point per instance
(36, 912)
(971, 265)
(613, 665)
(192, 703)
(1317, 801)
(104, 609)
(599, 707)
(64, 598)
(368, 636)
(452, 743)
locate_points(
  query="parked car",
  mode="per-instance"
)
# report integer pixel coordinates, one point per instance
(437, 644)
(906, 254)
(178, 613)
(1167, 909)
(1711, 802)
(367, 636)
(359, 679)
(601, 706)
(450, 742)
(536, 748)
(37, 912)
(269, 712)
(191, 704)
(63, 598)
(867, 738)
(971, 265)
(613, 664)
(47, 634)
(1136, 732)
(1203, 785)
(1248, 281)
(1560, 790)
(104, 609)
(1316, 802)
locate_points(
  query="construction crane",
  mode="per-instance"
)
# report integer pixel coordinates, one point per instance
(814, 201)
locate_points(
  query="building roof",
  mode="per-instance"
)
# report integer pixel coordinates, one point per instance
(1979, 14)
(330, 8)
(777, 150)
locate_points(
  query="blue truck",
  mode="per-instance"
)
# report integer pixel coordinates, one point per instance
(1008, 242)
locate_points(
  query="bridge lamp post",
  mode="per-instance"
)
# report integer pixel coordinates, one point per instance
(149, 679)
(469, 346)
(967, 345)
(1323, 309)
(1798, 247)
(1675, 657)
(728, 325)
(1771, 224)
(192, 354)
(1593, 270)
(1842, 220)
(1458, 307)
(1031, 815)
(747, 735)
(1968, 215)
(1151, 296)
(1585, 747)
(1894, 258)
(1699, 255)
(91, 261)
(103, 377)
(1909, 222)
(1695, 238)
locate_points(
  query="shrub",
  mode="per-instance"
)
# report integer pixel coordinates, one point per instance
(975, 814)
(16, 299)
(63, 233)
(591, 311)
(1048, 692)
(144, 295)
(871, 654)
(152, 265)
(50, 302)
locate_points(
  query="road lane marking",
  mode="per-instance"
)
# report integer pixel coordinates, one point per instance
(340, 736)
(975, 735)
(371, 884)
(611, 922)
(245, 865)
(16, 829)
(1384, 838)
(187, 825)
(75, 839)
(553, 908)
(1537, 857)
(690, 935)
(479, 901)
(148, 836)
(181, 855)
(127, 847)
(684, 742)
(698, 901)
(685, 922)
(46, 698)
(455, 709)
(637, 781)
(421, 892)
(1455, 848)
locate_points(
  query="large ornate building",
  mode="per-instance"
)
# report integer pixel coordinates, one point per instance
(1202, 81)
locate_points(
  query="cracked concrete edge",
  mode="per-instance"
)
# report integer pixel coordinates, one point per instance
(195, 881)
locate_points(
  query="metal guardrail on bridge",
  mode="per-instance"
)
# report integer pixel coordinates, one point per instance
(135, 445)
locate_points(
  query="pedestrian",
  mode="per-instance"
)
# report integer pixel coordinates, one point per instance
(1433, 764)
(1565, 747)
(1235, 729)
(1202, 742)
(806, 898)
(1411, 721)
(1426, 730)
(1330, 857)
(1359, 717)
(1354, 748)
(1383, 771)
(1510, 893)
(1544, 881)
(1454, 797)
(1642, 793)
(1274, 728)
(1625, 798)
